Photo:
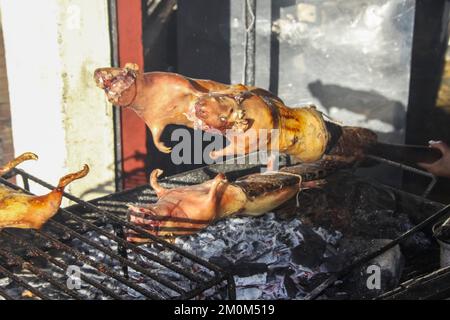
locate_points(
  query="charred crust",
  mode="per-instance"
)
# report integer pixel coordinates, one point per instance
(335, 133)
(274, 112)
(352, 141)
(311, 171)
(257, 185)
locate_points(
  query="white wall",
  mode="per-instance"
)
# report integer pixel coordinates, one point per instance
(52, 48)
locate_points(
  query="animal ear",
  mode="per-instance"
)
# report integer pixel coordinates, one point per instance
(132, 67)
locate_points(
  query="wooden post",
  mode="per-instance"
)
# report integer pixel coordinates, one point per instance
(129, 19)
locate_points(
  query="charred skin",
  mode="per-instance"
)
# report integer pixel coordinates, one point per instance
(348, 144)
(159, 98)
(19, 210)
(162, 98)
(192, 208)
(301, 132)
(187, 210)
(246, 117)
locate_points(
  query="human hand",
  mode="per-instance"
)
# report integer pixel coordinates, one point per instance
(440, 167)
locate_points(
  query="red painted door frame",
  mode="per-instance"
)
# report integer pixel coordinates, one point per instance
(133, 130)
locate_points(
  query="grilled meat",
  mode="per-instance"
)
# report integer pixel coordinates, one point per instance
(186, 210)
(20, 210)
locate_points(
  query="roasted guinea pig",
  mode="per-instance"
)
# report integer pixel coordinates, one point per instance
(252, 118)
(20, 210)
(189, 209)
(160, 98)
(248, 118)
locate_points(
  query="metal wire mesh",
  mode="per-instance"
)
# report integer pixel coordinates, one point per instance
(89, 238)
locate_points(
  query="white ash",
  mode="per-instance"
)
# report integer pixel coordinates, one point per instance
(261, 240)
(264, 242)
(331, 238)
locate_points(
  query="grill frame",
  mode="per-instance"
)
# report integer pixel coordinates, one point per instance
(190, 177)
(200, 284)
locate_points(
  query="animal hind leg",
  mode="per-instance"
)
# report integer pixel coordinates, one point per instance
(14, 163)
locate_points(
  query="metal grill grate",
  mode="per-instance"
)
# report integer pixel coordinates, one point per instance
(89, 239)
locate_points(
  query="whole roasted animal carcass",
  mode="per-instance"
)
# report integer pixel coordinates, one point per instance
(245, 115)
(159, 98)
(162, 98)
(189, 209)
(20, 210)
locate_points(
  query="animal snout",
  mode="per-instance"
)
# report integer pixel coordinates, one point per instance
(99, 78)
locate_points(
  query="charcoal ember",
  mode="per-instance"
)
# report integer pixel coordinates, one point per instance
(334, 263)
(389, 225)
(5, 281)
(369, 197)
(250, 288)
(326, 212)
(329, 236)
(279, 270)
(245, 269)
(280, 255)
(291, 287)
(256, 246)
(38, 261)
(240, 268)
(306, 255)
(310, 283)
(309, 252)
(442, 232)
(363, 282)
(252, 293)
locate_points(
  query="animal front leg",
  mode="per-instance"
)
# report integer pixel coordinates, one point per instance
(273, 162)
(166, 226)
(239, 145)
(179, 212)
(156, 134)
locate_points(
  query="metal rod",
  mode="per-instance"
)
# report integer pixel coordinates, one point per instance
(121, 250)
(114, 218)
(408, 168)
(117, 112)
(40, 274)
(128, 245)
(117, 119)
(202, 288)
(26, 183)
(250, 42)
(416, 282)
(60, 264)
(168, 218)
(23, 284)
(138, 250)
(5, 296)
(99, 266)
(231, 287)
(204, 284)
(345, 271)
(118, 257)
